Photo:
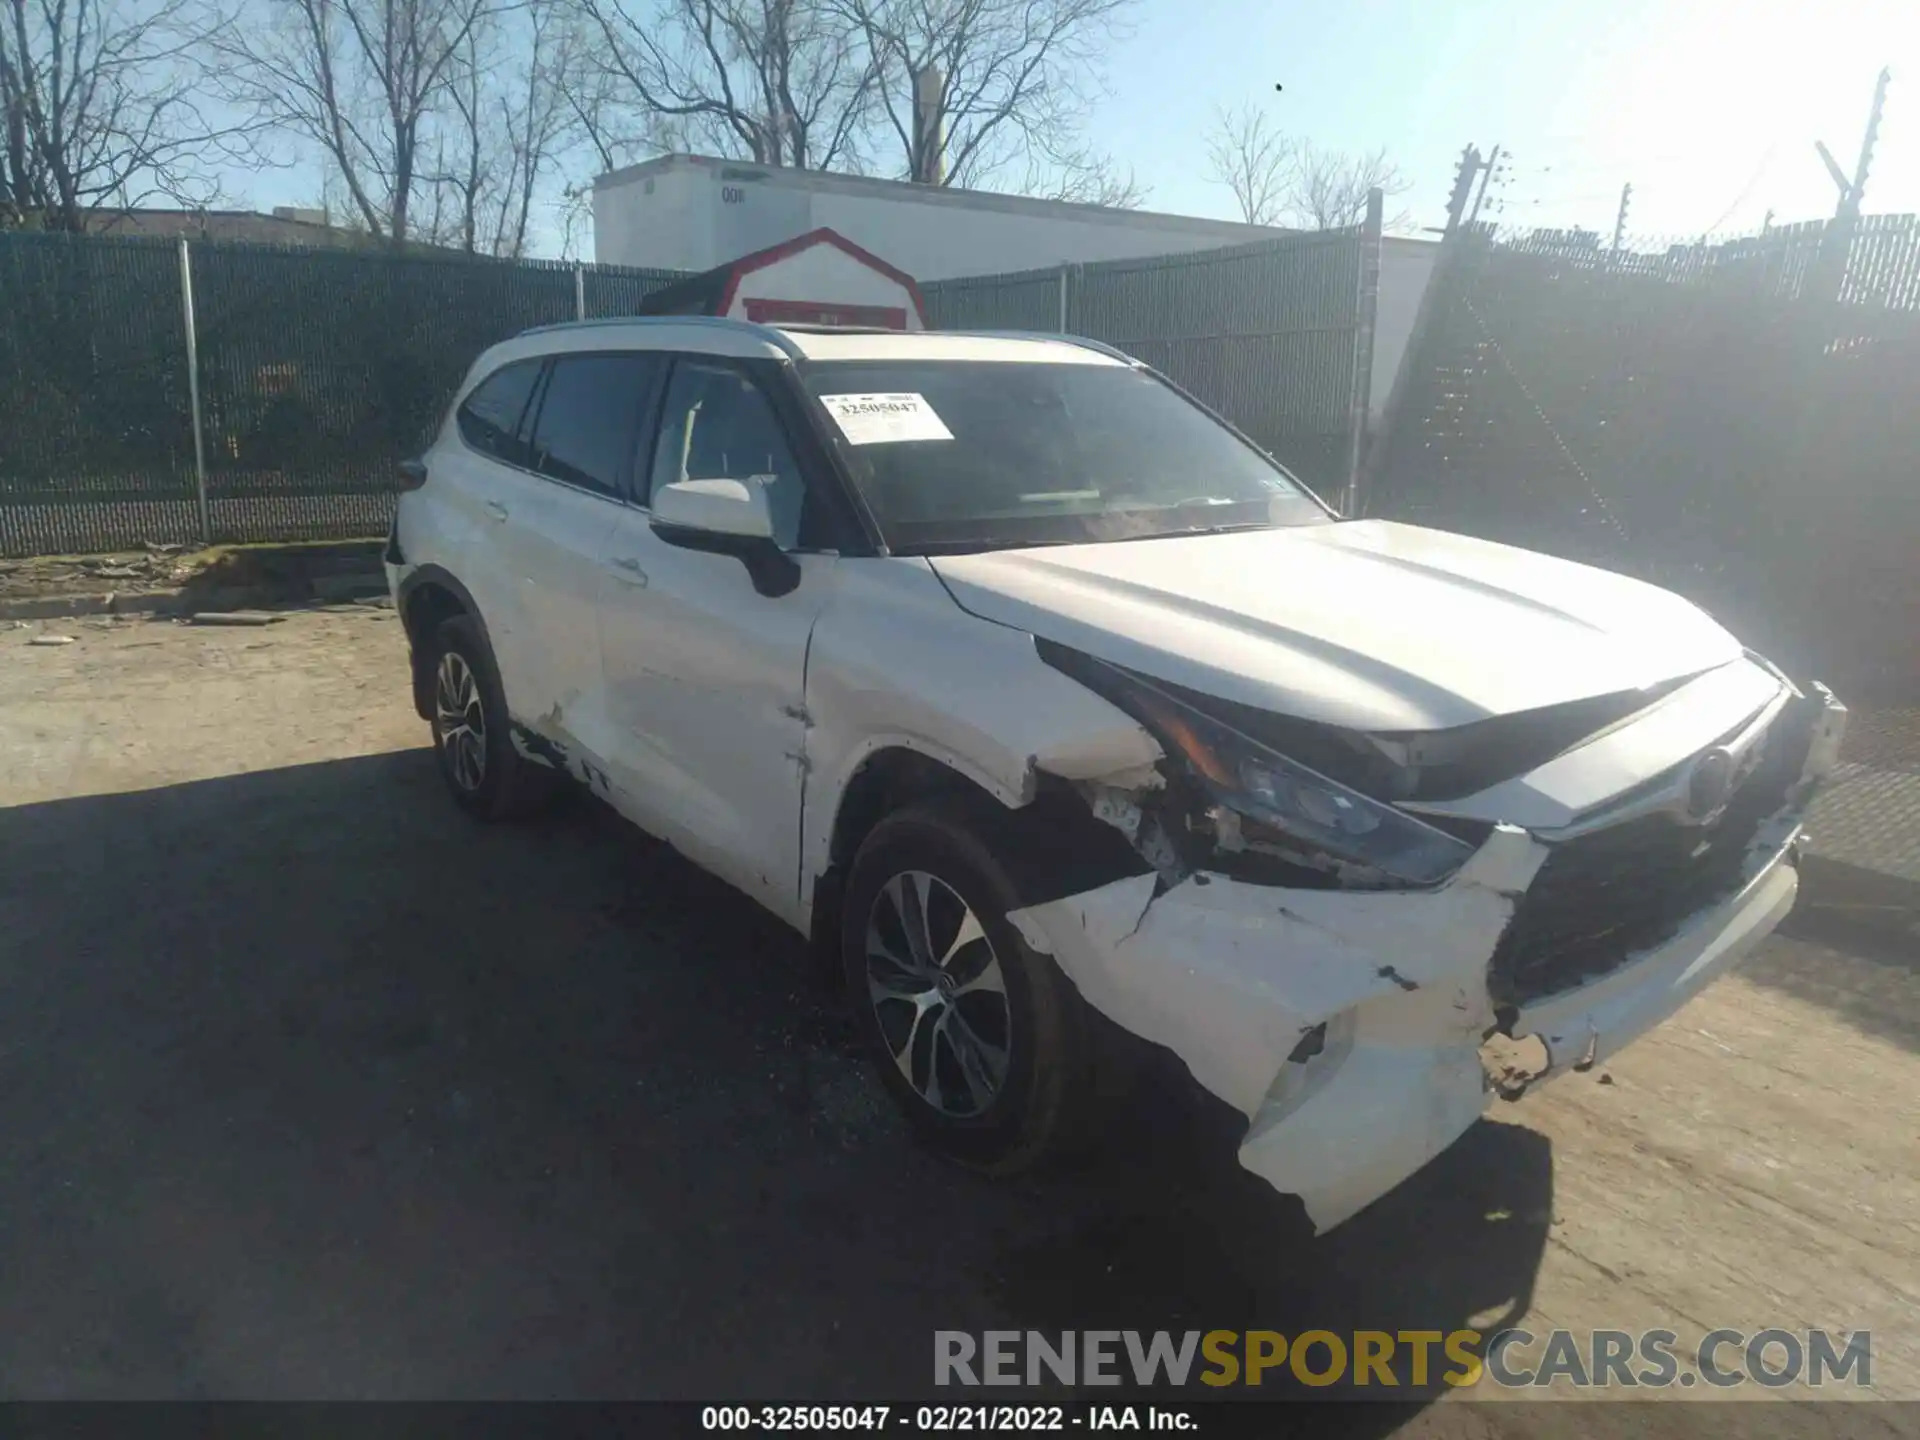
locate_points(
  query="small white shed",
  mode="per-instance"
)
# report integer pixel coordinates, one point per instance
(819, 278)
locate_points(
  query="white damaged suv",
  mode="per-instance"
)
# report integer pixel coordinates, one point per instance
(1009, 674)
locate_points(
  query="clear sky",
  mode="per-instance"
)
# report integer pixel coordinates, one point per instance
(1709, 107)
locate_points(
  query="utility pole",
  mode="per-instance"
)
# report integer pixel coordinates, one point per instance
(1470, 164)
(1486, 176)
(1620, 220)
(1831, 264)
(1853, 190)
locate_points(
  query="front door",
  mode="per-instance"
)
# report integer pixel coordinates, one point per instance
(705, 677)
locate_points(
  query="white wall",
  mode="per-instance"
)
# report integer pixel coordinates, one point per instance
(656, 221)
(1405, 268)
(702, 213)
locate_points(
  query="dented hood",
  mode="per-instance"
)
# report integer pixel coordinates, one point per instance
(1367, 625)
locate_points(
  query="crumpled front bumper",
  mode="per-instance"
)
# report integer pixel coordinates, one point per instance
(1356, 1029)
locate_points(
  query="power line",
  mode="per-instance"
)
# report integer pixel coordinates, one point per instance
(1766, 161)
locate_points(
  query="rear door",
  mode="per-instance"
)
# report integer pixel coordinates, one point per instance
(562, 510)
(485, 461)
(705, 676)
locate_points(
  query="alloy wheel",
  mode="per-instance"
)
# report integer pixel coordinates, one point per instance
(462, 721)
(939, 994)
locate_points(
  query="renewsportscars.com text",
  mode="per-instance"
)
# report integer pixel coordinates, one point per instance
(1511, 1358)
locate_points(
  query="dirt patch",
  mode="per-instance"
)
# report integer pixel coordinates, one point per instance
(295, 572)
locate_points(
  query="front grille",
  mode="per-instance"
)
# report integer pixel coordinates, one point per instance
(1602, 898)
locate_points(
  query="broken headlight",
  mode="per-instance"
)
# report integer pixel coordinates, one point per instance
(1300, 808)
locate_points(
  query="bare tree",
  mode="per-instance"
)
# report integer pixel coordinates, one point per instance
(971, 88)
(1327, 189)
(1247, 153)
(779, 82)
(365, 80)
(98, 109)
(507, 119)
(1084, 178)
(1100, 184)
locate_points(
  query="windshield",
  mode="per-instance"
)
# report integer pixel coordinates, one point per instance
(979, 455)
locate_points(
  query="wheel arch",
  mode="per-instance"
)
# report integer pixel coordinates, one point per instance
(429, 596)
(1051, 846)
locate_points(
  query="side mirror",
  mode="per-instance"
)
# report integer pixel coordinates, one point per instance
(726, 517)
(733, 508)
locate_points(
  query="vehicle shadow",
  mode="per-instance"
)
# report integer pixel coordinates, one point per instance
(312, 1088)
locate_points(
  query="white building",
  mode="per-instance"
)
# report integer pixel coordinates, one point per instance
(694, 213)
(688, 212)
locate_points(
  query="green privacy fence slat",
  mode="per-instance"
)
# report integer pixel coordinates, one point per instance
(319, 369)
(1028, 300)
(1734, 421)
(1263, 333)
(93, 393)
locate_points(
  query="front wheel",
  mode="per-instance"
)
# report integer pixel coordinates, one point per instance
(982, 1041)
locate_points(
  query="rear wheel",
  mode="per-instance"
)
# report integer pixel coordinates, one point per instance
(487, 777)
(981, 1040)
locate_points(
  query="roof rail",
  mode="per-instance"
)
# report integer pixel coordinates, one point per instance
(1084, 342)
(718, 322)
(814, 327)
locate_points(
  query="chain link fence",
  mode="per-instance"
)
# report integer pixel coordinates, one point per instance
(1736, 421)
(1275, 335)
(318, 370)
(96, 444)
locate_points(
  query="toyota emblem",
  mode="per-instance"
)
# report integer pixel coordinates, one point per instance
(1709, 784)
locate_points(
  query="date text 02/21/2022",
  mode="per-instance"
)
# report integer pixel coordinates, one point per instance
(938, 1419)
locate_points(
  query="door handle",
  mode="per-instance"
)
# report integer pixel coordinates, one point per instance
(630, 571)
(496, 510)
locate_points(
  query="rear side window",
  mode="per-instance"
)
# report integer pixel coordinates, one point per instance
(490, 417)
(590, 418)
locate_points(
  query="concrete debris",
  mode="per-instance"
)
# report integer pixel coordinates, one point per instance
(235, 617)
(1512, 1065)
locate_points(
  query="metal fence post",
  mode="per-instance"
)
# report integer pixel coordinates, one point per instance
(579, 291)
(1064, 268)
(1367, 305)
(193, 390)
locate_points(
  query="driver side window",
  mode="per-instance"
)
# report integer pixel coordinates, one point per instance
(718, 425)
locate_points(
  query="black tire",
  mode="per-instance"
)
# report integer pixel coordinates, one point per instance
(506, 786)
(1037, 1111)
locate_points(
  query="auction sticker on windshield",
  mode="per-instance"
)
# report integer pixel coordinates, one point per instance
(883, 419)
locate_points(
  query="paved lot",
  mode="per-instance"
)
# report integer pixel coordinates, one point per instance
(311, 1088)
